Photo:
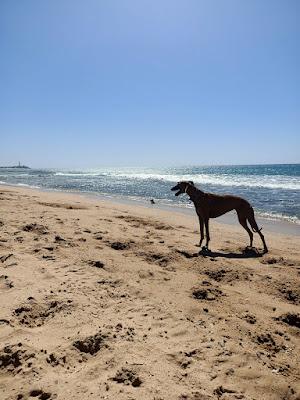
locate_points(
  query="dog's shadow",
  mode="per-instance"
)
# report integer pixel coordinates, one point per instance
(248, 252)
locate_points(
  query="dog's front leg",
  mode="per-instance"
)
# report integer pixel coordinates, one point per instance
(207, 231)
(201, 231)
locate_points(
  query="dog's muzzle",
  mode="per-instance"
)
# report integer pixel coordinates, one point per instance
(177, 188)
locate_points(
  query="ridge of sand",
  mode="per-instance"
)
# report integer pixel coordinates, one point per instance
(109, 301)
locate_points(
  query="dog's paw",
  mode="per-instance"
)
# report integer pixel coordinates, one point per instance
(204, 250)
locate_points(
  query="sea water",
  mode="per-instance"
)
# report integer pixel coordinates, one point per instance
(273, 190)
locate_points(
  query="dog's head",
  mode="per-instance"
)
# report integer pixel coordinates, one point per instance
(182, 187)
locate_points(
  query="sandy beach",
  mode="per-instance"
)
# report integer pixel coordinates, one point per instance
(101, 300)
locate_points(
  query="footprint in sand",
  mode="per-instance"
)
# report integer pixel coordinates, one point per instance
(157, 258)
(5, 257)
(127, 377)
(35, 228)
(290, 319)
(120, 246)
(96, 264)
(37, 393)
(5, 283)
(33, 314)
(91, 344)
(16, 358)
(207, 293)
(267, 341)
(290, 293)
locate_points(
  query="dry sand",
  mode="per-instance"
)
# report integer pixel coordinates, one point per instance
(108, 301)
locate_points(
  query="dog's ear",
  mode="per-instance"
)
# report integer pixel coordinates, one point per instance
(192, 183)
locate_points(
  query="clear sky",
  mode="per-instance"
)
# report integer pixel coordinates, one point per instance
(87, 83)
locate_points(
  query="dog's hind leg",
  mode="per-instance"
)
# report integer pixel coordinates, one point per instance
(255, 228)
(243, 222)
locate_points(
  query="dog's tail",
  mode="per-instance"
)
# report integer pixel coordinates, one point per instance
(252, 221)
(255, 228)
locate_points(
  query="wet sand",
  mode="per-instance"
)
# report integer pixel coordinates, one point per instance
(101, 300)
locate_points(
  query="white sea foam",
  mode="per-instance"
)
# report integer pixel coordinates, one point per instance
(264, 181)
(80, 173)
(19, 184)
(267, 181)
(279, 217)
(15, 175)
(29, 186)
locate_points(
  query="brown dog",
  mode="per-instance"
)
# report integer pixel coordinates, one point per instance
(209, 205)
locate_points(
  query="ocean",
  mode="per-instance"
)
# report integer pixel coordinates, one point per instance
(273, 190)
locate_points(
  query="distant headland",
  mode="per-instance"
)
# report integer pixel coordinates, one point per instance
(16, 166)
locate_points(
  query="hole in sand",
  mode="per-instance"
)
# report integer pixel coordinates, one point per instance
(209, 294)
(91, 344)
(290, 319)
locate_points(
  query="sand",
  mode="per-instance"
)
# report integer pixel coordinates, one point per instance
(101, 300)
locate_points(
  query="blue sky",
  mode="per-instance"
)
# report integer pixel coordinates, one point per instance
(147, 83)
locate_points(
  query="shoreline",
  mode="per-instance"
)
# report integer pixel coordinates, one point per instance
(274, 226)
(268, 224)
